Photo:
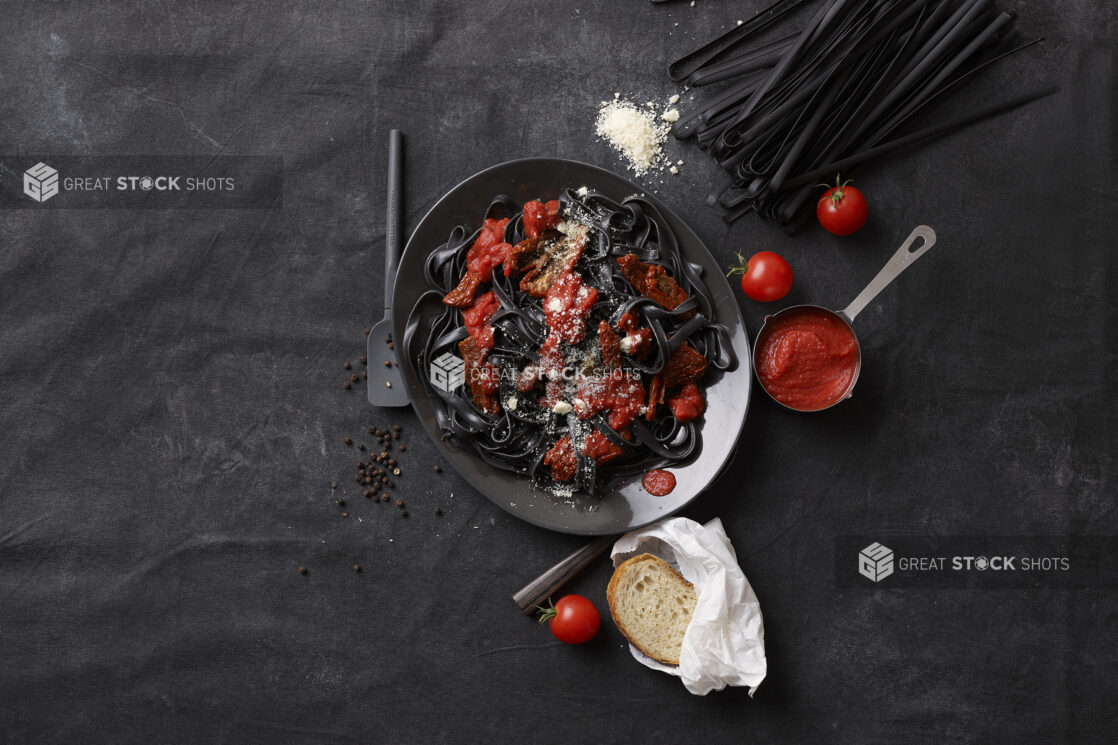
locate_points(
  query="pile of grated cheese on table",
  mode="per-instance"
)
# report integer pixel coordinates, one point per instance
(635, 132)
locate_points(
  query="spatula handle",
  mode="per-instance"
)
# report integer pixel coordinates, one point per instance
(394, 216)
(544, 585)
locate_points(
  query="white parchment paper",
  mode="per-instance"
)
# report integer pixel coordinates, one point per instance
(725, 642)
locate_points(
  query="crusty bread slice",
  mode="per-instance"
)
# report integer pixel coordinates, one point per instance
(652, 605)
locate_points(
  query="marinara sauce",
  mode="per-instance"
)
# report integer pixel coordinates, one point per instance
(807, 358)
(658, 482)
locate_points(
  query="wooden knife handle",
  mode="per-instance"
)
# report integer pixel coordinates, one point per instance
(536, 591)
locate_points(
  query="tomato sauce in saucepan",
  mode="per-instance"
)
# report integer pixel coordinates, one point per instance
(807, 359)
(658, 482)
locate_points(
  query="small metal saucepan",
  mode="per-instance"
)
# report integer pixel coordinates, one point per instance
(806, 357)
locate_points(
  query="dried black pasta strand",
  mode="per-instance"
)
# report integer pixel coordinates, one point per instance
(681, 68)
(960, 80)
(757, 59)
(931, 86)
(923, 134)
(728, 138)
(854, 69)
(925, 63)
(851, 43)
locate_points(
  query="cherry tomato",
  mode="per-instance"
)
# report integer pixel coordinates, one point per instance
(842, 209)
(765, 277)
(573, 620)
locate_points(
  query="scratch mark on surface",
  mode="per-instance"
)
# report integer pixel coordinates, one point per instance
(513, 648)
(177, 108)
(20, 529)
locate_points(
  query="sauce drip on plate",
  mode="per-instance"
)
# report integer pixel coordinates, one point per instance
(658, 482)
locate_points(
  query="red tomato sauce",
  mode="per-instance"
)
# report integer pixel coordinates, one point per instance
(539, 217)
(566, 305)
(807, 359)
(620, 394)
(658, 483)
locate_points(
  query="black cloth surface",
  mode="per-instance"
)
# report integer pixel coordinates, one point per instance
(174, 412)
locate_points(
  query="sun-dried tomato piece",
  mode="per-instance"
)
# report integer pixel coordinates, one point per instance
(487, 252)
(482, 377)
(610, 347)
(562, 459)
(542, 265)
(652, 281)
(463, 294)
(686, 365)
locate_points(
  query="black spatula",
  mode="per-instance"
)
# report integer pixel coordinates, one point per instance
(386, 387)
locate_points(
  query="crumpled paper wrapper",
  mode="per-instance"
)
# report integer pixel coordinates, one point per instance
(725, 642)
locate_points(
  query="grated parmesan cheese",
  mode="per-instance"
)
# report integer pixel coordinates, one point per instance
(634, 133)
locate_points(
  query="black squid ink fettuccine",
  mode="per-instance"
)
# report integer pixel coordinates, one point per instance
(517, 438)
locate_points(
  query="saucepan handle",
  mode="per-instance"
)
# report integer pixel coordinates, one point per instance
(901, 260)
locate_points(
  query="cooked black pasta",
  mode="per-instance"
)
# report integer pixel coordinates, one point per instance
(516, 439)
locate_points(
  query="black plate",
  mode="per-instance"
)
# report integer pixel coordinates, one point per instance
(629, 506)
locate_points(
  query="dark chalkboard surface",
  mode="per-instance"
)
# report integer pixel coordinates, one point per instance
(174, 409)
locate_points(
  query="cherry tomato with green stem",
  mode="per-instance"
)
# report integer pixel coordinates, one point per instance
(765, 277)
(842, 209)
(573, 620)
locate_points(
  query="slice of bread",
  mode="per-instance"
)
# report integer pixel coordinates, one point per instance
(652, 605)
